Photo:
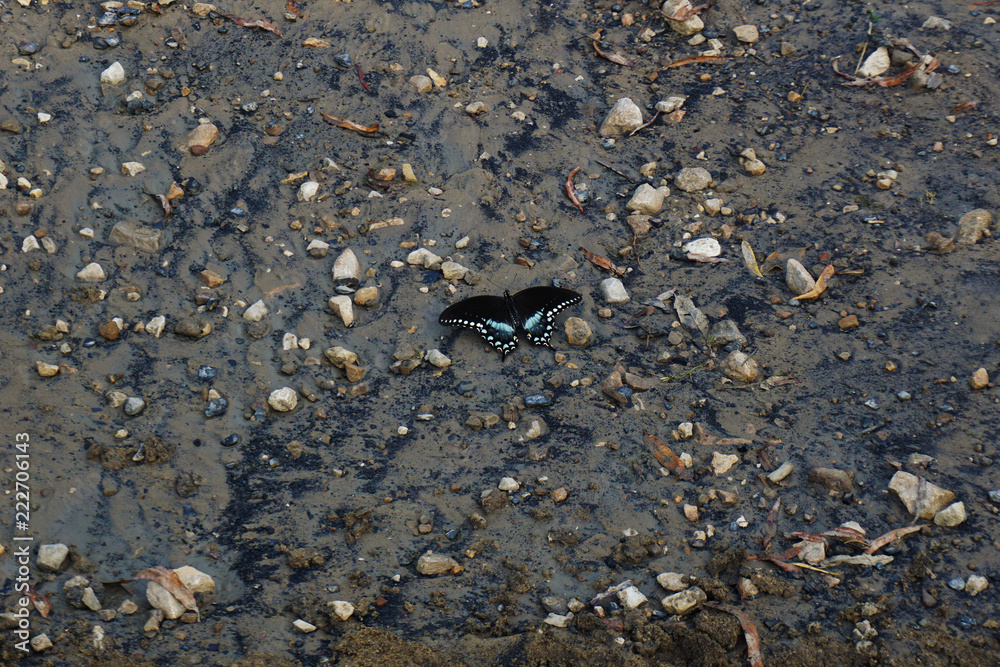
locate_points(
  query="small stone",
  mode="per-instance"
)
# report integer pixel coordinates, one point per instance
(134, 405)
(691, 513)
(132, 168)
(976, 584)
(340, 357)
(318, 248)
(30, 243)
(613, 291)
(46, 370)
(834, 479)
(721, 463)
(647, 199)
(560, 495)
(689, 26)
(343, 610)
(707, 246)
(438, 80)
(308, 191)
(347, 269)
(578, 332)
(673, 581)
(453, 271)
(256, 312)
(153, 622)
(979, 379)
(160, 598)
(781, 472)
(693, 179)
(936, 23)
(422, 257)
(740, 367)
(421, 83)
(303, 626)
(437, 359)
(366, 296)
(137, 236)
(754, 167)
(631, 597)
(558, 620)
(408, 175)
(746, 33)
(726, 332)
(210, 278)
(624, 117)
(51, 557)
(195, 580)
(639, 224)
(113, 75)
(475, 108)
(41, 643)
(875, 64)
(972, 226)
(92, 273)
(90, 599)
(684, 601)
(797, 278)
(912, 489)
(672, 103)
(431, 564)
(284, 399)
(508, 484)
(849, 322)
(127, 608)
(341, 307)
(951, 516)
(192, 327)
(22, 207)
(201, 138)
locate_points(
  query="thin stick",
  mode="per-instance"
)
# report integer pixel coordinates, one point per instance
(608, 166)
(864, 49)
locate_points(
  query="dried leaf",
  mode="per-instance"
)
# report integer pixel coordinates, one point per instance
(777, 260)
(292, 9)
(663, 454)
(891, 537)
(676, 115)
(165, 203)
(340, 121)
(41, 603)
(698, 60)
(754, 654)
(571, 190)
(263, 24)
(174, 192)
(939, 243)
(602, 262)
(705, 259)
(616, 57)
(690, 316)
(684, 12)
(316, 43)
(771, 525)
(849, 535)
(820, 285)
(750, 259)
(170, 581)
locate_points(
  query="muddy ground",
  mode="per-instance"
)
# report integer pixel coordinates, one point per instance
(333, 500)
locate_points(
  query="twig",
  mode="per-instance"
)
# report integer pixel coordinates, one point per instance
(608, 166)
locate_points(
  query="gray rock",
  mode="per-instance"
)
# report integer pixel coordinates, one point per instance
(647, 199)
(613, 291)
(256, 312)
(726, 332)
(160, 598)
(834, 479)
(453, 271)
(624, 117)
(951, 516)
(746, 33)
(740, 367)
(137, 236)
(707, 246)
(342, 609)
(684, 601)
(41, 642)
(318, 248)
(92, 273)
(673, 581)
(431, 564)
(558, 620)
(52, 556)
(693, 179)
(421, 83)
(436, 358)
(342, 308)
(90, 599)
(347, 269)
(631, 597)
(113, 75)
(797, 278)
(972, 225)
(192, 327)
(922, 498)
(284, 399)
(422, 257)
(134, 405)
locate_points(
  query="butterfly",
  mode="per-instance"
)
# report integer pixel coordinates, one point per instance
(499, 320)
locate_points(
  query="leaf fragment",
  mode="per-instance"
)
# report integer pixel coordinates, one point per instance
(263, 24)
(347, 124)
(750, 259)
(754, 654)
(664, 455)
(616, 58)
(603, 262)
(316, 43)
(690, 316)
(891, 537)
(170, 581)
(820, 285)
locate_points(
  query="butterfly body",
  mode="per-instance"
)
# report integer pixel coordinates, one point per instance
(501, 320)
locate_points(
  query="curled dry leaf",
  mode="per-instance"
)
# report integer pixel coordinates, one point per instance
(698, 60)
(347, 124)
(690, 315)
(664, 455)
(940, 243)
(263, 24)
(777, 260)
(754, 654)
(316, 43)
(750, 259)
(170, 581)
(615, 57)
(603, 262)
(571, 190)
(292, 9)
(820, 285)
(891, 537)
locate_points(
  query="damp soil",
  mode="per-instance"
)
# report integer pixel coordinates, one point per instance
(332, 500)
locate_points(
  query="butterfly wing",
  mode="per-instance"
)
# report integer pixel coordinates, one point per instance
(537, 308)
(486, 315)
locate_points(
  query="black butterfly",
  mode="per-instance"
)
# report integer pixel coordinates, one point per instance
(500, 319)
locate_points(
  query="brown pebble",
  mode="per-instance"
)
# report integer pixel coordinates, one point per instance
(783, 314)
(274, 130)
(560, 494)
(198, 149)
(848, 322)
(109, 330)
(22, 207)
(40, 233)
(11, 125)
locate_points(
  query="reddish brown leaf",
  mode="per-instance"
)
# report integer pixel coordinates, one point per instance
(571, 190)
(663, 454)
(41, 603)
(777, 260)
(820, 285)
(771, 525)
(170, 581)
(263, 24)
(616, 57)
(292, 9)
(891, 537)
(698, 60)
(340, 121)
(749, 632)
(602, 262)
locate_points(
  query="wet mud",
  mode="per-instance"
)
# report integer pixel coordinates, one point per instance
(389, 457)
